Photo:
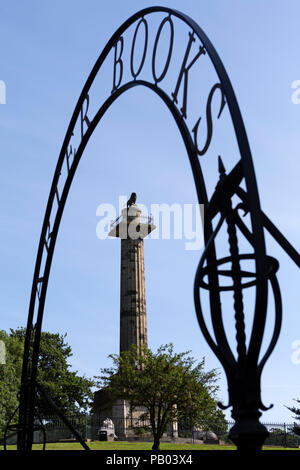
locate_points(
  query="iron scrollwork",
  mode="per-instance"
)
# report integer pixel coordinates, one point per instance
(244, 371)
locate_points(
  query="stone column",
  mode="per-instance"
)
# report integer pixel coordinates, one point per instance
(133, 322)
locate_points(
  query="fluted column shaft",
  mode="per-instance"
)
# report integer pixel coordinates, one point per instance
(133, 321)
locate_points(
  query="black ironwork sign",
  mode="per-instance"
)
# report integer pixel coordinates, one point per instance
(236, 190)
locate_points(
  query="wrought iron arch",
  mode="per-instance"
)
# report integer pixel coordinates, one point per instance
(245, 406)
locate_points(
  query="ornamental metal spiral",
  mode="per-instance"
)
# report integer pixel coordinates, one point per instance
(243, 374)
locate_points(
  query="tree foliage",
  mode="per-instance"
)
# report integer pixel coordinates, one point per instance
(70, 391)
(10, 374)
(296, 411)
(171, 386)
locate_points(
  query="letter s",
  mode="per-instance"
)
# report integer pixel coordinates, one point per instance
(208, 119)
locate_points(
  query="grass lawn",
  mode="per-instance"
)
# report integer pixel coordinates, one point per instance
(135, 446)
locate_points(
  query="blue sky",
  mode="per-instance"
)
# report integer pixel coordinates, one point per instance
(48, 49)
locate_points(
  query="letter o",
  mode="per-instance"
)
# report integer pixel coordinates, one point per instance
(162, 75)
(133, 73)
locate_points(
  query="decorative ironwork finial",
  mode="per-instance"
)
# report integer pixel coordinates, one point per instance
(221, 167)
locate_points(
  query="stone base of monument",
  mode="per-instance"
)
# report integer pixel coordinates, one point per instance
(123, 419)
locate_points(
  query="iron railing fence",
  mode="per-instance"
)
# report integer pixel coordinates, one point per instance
(143, 218)
(280, 434)
(88, 425)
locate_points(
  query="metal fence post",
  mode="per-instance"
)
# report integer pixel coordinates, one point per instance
(285, 439)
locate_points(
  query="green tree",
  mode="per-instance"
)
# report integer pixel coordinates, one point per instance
(71, 392)
(10, 373)
(170, 386)
(296, 411)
